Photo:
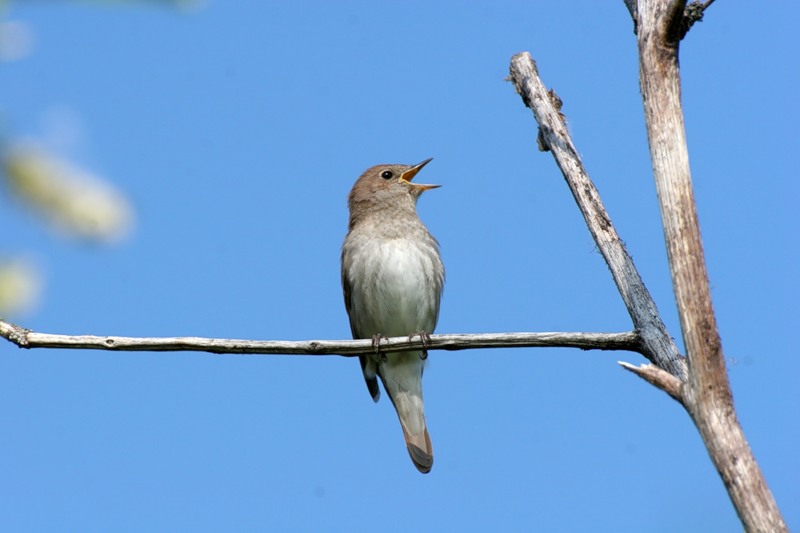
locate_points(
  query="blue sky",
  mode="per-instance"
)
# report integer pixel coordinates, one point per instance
(236, 130)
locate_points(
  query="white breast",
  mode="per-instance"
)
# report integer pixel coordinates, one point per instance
(396, 285)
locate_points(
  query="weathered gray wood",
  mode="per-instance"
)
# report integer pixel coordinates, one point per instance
(553, 136)
(659, 25)
(587, 341)
(707, 395)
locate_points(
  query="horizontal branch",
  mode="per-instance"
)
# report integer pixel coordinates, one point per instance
(24, 338)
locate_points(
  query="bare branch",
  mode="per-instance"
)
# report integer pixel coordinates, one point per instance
(707, 395)
(658, 346)
(633, 9)
(691, 14)
(658, 378)
(24, 338)
(632, 6)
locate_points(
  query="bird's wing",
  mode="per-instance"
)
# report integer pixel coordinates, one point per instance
(368, 367)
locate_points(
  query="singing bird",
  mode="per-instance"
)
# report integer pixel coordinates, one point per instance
(392, 277)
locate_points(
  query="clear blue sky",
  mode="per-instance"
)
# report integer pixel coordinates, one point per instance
(236, 131)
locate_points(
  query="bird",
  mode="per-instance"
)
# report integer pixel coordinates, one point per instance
(392, 279)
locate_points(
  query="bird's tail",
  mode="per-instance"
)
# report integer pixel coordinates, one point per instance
(402, 379)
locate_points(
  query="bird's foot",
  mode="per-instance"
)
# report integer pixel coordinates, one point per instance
(425, 337)
(376, 345)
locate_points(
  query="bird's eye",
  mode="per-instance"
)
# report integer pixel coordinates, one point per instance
(387, 174)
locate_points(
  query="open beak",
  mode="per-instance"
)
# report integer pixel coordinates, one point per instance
(409, 174)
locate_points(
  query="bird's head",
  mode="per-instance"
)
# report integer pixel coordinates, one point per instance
(387, 187)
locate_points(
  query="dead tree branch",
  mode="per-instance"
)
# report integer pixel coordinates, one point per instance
(553, 136)
(24, 338)
(707, 395)
(705, 391)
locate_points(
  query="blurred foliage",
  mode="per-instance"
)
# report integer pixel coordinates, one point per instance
(75, 202)
(72, 200)
(20, 286)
